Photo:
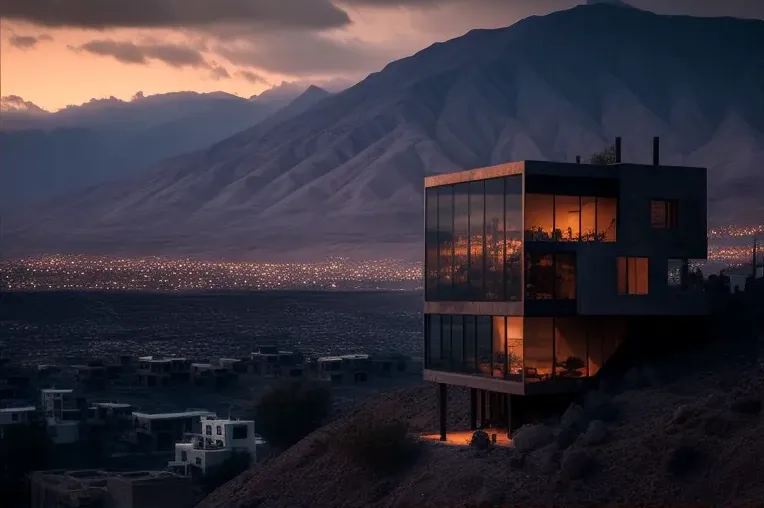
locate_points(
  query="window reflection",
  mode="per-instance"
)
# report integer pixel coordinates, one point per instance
(457, 343)
(461, 240)
(484, 343)
(567, 217)
(539, 217)
(565, 276)
(431, 242)
(570, 348)
(570, 218)
(521, 349)
(538, 344)
(445, 240)
(607, 211)
(494, 239)
(434, 342)
(589, 219)
(513, 255)
(551, 276)
(663, 214)
(445, 341)
(477, 237)
(499, 346)
(540, 279)
(470, 345)
(515, 348)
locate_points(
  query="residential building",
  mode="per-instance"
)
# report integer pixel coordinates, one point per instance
(105, 489)
(63, 412)
(354, 368)
(269, 361)
(163, 372)
(536, 272)
(160, 431)
(220, 438)
(26, 415)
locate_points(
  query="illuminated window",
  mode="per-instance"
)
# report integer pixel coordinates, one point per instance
(663, 214)
(563, 218)
(632, 276)
(567, 218)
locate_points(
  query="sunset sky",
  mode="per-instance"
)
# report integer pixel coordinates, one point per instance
(56, 53)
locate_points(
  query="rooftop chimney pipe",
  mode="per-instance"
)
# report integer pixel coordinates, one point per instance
(578, 159)
(618, 150)
(656, 151)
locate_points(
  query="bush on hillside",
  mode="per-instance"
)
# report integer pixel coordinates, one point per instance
(232, 467)
(385, 448)
(289, 411)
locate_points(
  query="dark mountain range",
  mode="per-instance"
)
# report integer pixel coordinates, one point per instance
(48, 153)
(345, 176)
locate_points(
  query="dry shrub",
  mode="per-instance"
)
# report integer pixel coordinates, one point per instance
(386, 448)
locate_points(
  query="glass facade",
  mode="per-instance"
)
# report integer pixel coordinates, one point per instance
(473, 242)
(530, 349)
(562, 218)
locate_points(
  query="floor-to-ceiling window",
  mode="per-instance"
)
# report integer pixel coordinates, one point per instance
(473, 241)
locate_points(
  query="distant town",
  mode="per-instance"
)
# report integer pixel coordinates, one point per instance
(729, 246)
(99, 273)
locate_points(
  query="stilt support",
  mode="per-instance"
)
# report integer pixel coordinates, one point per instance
(473, 408)
(442, 398)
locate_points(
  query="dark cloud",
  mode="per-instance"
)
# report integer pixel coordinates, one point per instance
(253, 77)
(308, 14)
(174, 55)
(27, 41)
(302, 54)
(217, 73)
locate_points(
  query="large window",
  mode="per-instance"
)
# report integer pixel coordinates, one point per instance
(563, 218)
(632, 276)
(473, 246)
(490, 346)
(431, 243)
(551, 276)
(445, 241)
(520, 349)
(663, 214)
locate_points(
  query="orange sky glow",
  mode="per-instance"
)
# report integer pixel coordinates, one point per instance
(54, 73)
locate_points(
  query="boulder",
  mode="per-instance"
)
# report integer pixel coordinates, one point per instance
(532, 437)
(595, 434)
(480, 440)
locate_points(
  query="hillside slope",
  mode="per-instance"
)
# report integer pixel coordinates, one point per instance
(682, 436)
(345, 177)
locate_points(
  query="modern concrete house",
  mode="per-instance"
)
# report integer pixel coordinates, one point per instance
(536, 272)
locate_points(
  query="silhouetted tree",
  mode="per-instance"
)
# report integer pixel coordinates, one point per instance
(290, 411)
(606, 156)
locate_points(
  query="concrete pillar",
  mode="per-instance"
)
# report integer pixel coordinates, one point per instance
(473, 408)
(442, 398)
(509, 416)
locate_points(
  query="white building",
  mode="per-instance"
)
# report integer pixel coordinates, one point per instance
(160, 431)
(219, 439)
(17, 416)
(61, 415)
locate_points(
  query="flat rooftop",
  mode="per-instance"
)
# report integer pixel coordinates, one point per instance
(572, 169)
(172, 416)
(24, 409)
(57, 390)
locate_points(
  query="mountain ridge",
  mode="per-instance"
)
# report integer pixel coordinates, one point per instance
(345, 175)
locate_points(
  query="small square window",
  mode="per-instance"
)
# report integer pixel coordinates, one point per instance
(208, 430)
(219, 430)
(663, 214)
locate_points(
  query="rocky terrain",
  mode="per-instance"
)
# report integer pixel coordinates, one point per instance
(685, 431)
(345, 177)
